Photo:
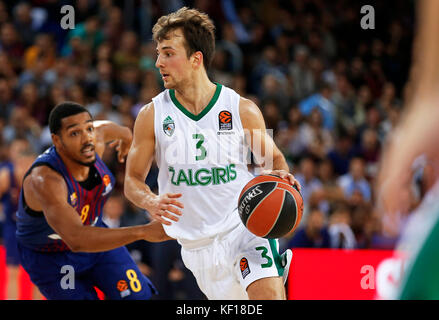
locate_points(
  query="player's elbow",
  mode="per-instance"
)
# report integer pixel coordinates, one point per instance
(74, 247)
(75, 242)
(126, 187)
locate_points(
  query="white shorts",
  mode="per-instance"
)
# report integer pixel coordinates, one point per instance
(226, 266)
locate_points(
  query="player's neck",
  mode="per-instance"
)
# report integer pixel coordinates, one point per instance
(78, 171)
(196, 94)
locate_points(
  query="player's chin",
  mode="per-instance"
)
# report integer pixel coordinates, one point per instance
(87, 161)
(168, 84)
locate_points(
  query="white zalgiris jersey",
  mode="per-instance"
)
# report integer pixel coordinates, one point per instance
(204, 157)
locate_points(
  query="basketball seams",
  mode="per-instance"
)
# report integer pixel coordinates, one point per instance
(297, 209)
(292, 194)
(285, 186)
(261, 179)
(279, 212)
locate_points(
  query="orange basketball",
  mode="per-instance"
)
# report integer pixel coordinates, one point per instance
(270, 207)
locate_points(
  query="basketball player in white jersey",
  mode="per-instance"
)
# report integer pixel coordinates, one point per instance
(195, 129)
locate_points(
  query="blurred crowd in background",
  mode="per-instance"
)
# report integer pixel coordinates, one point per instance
(330, 91)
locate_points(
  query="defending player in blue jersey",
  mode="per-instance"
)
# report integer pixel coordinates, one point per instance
(59, 220)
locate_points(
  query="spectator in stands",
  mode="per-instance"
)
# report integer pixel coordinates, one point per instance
(7, 102)
(104, 108)
(128, 81)
(322, 102)
(314, 234)
(23, 22)
(86, 36)
(354, 184)
(370, 150)
(373, 121)
(30, 100)
(342, 153)
(288, 138)
(331, 192)
(274, 87)
(22, 126)
(60, 73)
(113, 26)
(301, 76)
(317, 139)
(219, 70)
(272, 115)
(43, 49)
(309, 182)
(11, 44)
(128, 53)
(344, 99)
(340, 232)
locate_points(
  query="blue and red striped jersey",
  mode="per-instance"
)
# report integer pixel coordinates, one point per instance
(34, 232)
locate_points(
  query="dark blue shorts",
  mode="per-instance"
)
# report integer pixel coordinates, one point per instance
(73, 275)
(10, 243)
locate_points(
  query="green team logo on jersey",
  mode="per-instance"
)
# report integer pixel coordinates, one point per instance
(203, 176)
(168, 126)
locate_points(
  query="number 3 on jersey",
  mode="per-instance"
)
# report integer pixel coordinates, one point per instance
(199, 145)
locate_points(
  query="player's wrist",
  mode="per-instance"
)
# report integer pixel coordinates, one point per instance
(150, 202)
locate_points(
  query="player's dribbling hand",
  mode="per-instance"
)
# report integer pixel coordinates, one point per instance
(286, 176)
(166, 206)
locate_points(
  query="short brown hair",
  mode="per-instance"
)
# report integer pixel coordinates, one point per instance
(198, 30)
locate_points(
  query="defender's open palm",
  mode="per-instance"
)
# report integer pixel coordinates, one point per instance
(166, 206)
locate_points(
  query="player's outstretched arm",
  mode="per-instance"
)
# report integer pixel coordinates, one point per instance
(45, 190)
(417, 131)
(139, 162)
(119, 136)
(261, 144)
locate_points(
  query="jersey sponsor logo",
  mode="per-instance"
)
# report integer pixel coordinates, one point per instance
(168, 126)
(245, 269)
(108, 186)
(106, 179)
(225, 133)
(225, 120)
(122, 286)
(203, 176)
(54, 236)
(74, 199)
(95, 221)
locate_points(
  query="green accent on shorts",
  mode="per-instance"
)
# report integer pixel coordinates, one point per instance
(276, 257)
(422, 279)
